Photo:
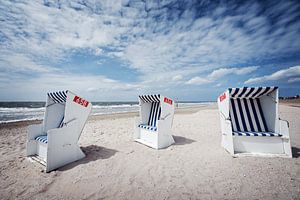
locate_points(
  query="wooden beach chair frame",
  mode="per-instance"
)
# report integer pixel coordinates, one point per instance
(240, 110)
(153, 127)
(54, 142)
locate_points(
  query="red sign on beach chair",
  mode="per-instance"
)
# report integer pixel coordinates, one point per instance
(169, 101)
(81, 101)
(222, 97)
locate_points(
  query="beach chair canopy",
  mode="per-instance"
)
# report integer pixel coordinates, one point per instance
(253, 92)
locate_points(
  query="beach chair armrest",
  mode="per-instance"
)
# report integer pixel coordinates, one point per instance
(165, 117)
(227, 119)
(64, 133)
(34, 131)
(137, 121)
(287, 122)
(284, 128)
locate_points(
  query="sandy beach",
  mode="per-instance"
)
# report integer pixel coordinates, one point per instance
(115, 167)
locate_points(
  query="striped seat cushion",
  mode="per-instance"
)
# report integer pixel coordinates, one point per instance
(247, 118)
(145, 126)
(42, 138)
(247, 133)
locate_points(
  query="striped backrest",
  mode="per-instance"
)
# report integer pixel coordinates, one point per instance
(247, 115)
(254, 92)
(154, 115)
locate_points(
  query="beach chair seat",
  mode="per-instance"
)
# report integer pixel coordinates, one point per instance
(262, 134)
(153, 126)
(250, 122)
(42, 138)
(54, 142)
(147, 127)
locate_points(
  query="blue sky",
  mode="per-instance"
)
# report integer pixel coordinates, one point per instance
(116, 50)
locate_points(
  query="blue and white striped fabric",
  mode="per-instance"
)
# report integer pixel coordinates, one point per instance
(150, 98)
(61, 124)
(58, 97)
(247, 115)
(247, 118)
(254, 92)
(145, 126)
(154, 115)
(42, 138)
(269, 134)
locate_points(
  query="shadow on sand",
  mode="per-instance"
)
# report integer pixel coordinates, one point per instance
(92, 152)
(295, 152)
(179, 140)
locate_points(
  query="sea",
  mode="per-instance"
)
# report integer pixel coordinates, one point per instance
(26, 111)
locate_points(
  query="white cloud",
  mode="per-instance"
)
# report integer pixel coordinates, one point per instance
(98, 51)
(177, 78)
(219, 73)
(294, 80)
(281, 74)
(22, 63)
(162, 42)
(93, 87)
(132, 30)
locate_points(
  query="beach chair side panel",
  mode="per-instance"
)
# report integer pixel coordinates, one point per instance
(269, 105)
(63, 142)
(164, 124)
(226, 127)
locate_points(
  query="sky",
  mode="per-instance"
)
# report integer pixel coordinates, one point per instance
(113, 50)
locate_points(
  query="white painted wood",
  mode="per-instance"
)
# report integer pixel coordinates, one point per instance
(62, 147)
(161, 138)
(256, 145)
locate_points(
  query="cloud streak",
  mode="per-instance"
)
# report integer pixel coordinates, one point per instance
(292, 72)
(219, 73)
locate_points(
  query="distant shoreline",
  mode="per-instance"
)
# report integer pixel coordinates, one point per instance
(182, 110)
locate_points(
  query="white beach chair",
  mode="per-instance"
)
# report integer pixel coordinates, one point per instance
(54, 142)
(250, 123)
(153, 126)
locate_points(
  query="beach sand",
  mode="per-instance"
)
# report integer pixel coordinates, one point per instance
(115, 167)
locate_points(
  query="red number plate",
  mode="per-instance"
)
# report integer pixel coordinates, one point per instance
(81, 101)
(222, 97)
(169, 101)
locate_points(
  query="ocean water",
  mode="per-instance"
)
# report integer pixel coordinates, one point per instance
(24, 111)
